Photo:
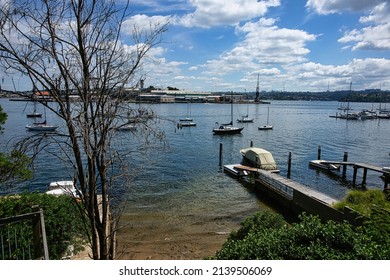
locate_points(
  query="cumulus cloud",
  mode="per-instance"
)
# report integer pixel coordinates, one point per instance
(144, 23)
(368, 72)
(264, 45)
(324, 7)
(374, 36)
(210, 13)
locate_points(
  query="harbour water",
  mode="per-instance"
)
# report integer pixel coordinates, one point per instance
(178, 183)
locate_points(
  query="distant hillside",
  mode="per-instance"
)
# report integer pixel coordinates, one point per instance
(342, 96)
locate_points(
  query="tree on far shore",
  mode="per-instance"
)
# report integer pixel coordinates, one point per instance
(74, 49)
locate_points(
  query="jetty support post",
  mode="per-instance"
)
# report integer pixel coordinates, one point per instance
(355, 169)
(251, 143)
(364, 177)
(319, 152)
(220, 154)
(289, 165)
(345, 159)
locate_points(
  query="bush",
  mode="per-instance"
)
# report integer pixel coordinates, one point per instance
(261, 238)
(63, 223)
(362, 201)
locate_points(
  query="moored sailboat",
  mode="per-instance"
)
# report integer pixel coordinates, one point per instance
(228, 128)
(266, 126)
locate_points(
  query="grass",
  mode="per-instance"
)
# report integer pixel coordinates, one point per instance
(362, 201)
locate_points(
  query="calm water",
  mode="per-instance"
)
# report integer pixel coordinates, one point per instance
(180, 180)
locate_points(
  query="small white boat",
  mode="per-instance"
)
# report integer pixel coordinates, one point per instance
(323, 164)
(34, 114)
(41, 127)
(245, 119)
(266, 126)
(63, 187)
(126, 127)
(259, 158)
(186, 123)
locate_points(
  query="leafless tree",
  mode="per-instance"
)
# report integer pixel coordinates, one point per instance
(74, 48)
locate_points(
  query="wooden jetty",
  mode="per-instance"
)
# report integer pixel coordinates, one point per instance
(356, 166)
(295, 196)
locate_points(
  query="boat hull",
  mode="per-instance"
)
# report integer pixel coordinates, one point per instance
(227, 130)
(41, 127)
(265, 127)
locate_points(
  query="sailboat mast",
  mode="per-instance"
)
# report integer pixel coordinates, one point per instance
(231, 109)
(268, 116)
(257, 99)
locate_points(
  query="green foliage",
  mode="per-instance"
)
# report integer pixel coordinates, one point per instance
(63, 223)
(14, 167)
(265, 236)
(3, 118)
(362, 201)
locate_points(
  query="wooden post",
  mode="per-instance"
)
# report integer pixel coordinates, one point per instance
(345, 159)
(289, 165)
(319, 152)
(39, 234)
(251, 143)
(364, 176)
(355, 168)
(220, 154)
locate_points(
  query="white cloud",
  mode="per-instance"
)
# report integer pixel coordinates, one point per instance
(144, 23)
(374, 36)
(210, 13)
(367, 73)
(324, 7)
(264, 44)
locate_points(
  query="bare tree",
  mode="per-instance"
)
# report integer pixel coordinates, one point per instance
(73, 48)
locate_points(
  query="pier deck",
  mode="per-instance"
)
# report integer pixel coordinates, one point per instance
(357, 165)
(279, 184)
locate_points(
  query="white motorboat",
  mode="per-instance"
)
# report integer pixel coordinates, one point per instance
(63, 187)
(259, 158)
(323, 164)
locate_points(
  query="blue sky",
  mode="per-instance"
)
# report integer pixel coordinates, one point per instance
(295, 45)
(298, 45)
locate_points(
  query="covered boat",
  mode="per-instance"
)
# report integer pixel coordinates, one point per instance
(259, 158)
(63, 187)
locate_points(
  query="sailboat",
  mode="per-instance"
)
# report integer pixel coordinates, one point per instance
(187, 121)
(245, 118)
(228, 128)
(34, 114)
(41, 126)
(267, 126)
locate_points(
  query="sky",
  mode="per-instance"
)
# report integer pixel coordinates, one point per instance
(291, 45)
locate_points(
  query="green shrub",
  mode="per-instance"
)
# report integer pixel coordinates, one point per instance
(311, 238)
(63, 223)
(362, 201)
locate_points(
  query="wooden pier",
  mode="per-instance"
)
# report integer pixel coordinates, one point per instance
(356, 166)
(291, 194)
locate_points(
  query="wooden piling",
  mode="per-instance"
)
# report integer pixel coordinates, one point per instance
(319, 152)
(289, 165)
(345, 159)
(220, 154)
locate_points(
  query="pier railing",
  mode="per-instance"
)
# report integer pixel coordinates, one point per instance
(23, 237)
